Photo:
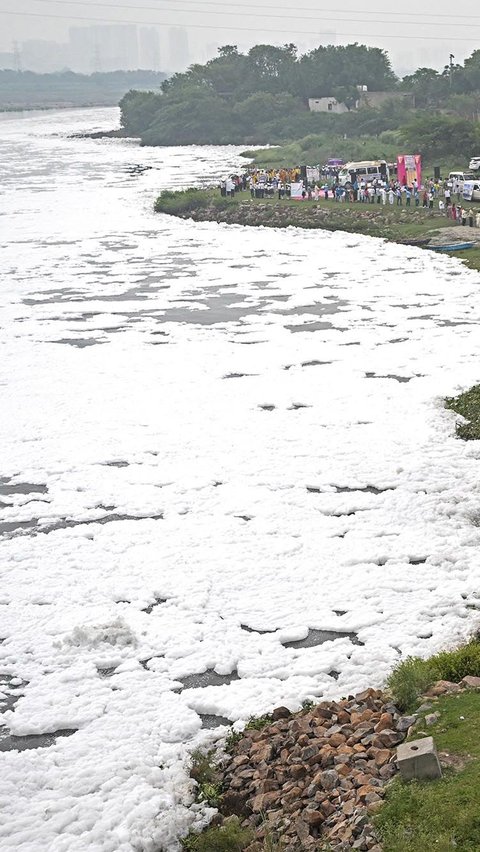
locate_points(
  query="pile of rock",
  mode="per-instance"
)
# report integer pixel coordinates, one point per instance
(317, 777)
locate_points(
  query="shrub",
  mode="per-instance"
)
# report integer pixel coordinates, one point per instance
(411, 678)
(180, 203)
(210, 793)
(455, 665)
(258, 723)
(203, 769)
(233, 738)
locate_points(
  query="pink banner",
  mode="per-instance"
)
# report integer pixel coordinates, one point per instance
(409, 168)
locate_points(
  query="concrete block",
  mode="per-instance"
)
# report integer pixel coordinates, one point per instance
(419, 760)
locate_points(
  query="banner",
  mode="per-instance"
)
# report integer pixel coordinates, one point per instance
(313, 173)
(409, 168)
(296, 191)
(468, 188)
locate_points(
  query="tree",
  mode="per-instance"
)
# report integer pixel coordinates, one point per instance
(328, 68)
(201, 119)
(138, 109)
(433, 134)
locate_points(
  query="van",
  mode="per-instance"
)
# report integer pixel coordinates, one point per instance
(459, 177)
(366, 170)
(471, 190)
(474, 164)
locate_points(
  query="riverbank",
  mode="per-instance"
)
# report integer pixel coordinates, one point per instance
(327, 778)
(395, 224)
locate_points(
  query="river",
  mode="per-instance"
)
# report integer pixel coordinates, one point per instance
(227, 478)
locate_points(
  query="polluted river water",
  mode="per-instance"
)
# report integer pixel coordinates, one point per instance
(227, 478)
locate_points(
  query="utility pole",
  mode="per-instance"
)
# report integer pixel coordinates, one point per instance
(450, 74)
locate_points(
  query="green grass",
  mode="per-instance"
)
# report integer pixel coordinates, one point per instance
(470, 258)
(411, 678)
(258, 723)
(229, 837)
(440, 815)
(468, 406)
(205, 772)
(316, 149)
(231, 741)
(203, 769)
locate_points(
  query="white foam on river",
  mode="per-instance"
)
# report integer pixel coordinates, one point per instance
(230, 428)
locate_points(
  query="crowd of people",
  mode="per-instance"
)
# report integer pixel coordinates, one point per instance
(444, 196)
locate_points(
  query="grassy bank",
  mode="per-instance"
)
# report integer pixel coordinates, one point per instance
(318, 148)
(445, 814)
(414, 817)
(396, 224)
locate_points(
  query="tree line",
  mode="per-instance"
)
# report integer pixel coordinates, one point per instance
(26, 88)
(262, 97)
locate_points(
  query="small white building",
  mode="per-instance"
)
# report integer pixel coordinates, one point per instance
(327, 105)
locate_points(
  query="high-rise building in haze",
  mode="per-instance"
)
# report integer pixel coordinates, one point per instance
(109, 47)
(149, 48)
(178, 53)
(43, 56)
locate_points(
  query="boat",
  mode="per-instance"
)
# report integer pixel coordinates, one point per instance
(415, 242)
(453, 247)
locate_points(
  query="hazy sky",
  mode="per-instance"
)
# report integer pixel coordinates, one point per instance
(413, 38)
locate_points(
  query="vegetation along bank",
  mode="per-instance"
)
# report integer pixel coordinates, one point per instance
(326, 779)
(348, 95)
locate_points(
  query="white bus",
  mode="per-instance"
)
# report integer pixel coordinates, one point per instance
(366, 170)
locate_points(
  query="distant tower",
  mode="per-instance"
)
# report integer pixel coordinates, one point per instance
(17, 59)
(178, 49)
(149, 44)
(97, 59)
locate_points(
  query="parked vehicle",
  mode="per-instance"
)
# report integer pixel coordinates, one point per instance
(471, 190)
(474, 164)
(367, 170)
(460, 178)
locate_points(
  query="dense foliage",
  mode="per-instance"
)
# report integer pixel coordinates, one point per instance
(27, 89)
(262, 97)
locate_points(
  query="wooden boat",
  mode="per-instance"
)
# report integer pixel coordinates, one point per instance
(415, 242)
(452, 247)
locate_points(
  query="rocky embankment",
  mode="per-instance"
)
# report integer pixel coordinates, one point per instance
(372, 220)
(317, 777)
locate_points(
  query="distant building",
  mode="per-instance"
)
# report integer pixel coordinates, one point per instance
(327, 105)
(109, 47)
(149, 48)
(43, 56)
(179, 53)
(374, 100)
